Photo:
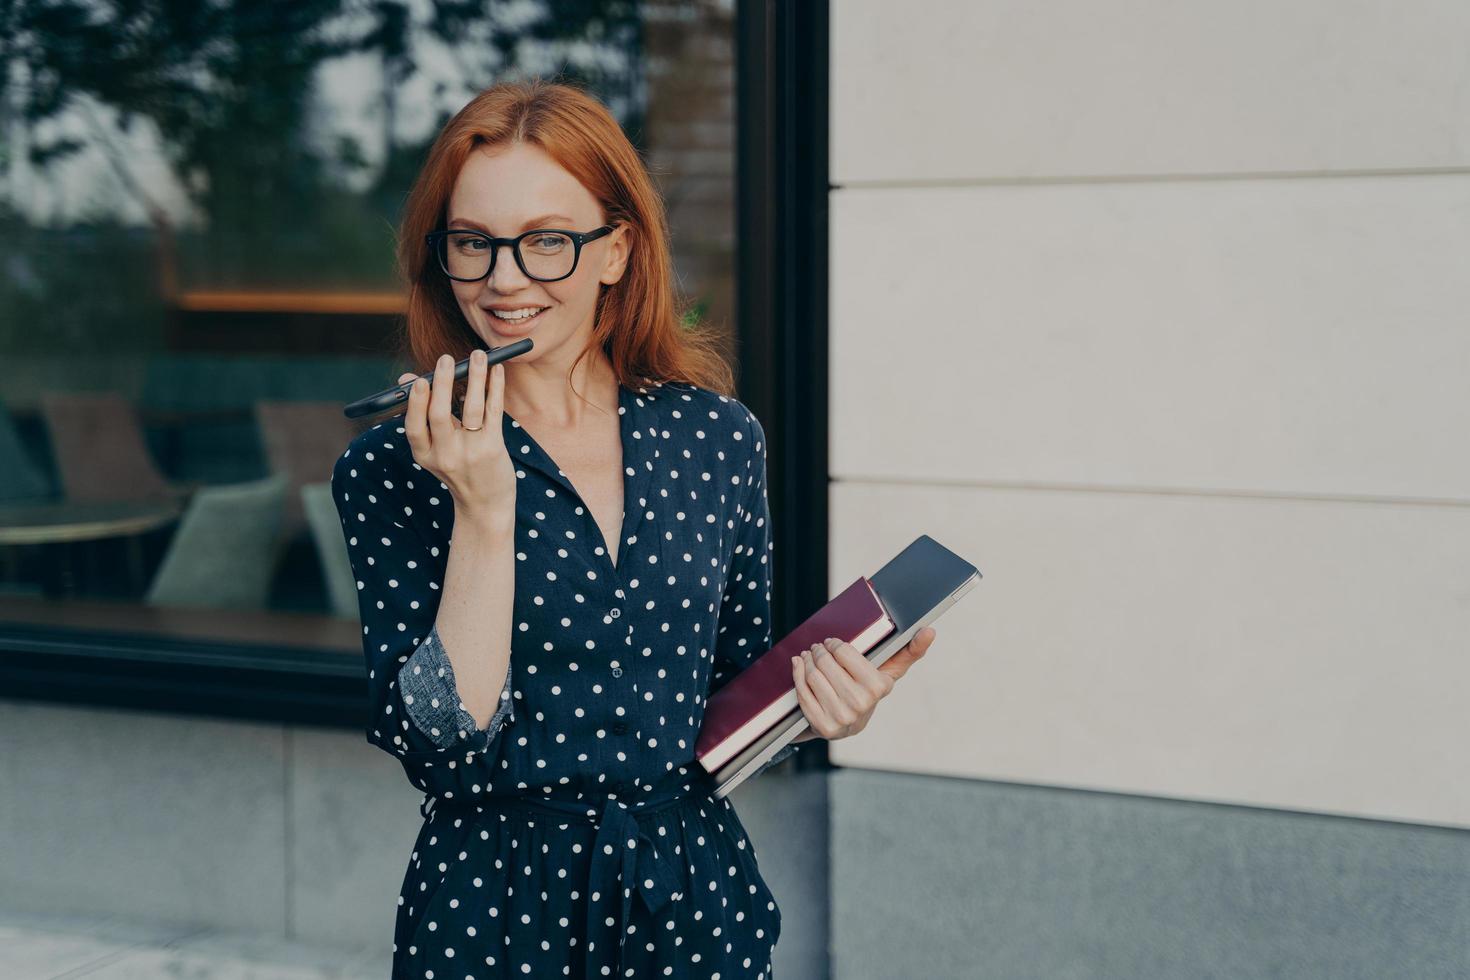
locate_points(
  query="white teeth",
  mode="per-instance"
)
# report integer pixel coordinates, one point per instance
(514, 315)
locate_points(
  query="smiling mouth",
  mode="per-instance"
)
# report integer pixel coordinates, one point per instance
(518, 321)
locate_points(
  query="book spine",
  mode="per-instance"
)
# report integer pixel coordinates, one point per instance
(731, 745)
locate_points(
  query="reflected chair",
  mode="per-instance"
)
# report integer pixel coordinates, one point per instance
(20, 478)
(226, 549)
(331, 548)
(21, 482)
(302, 440)
(99, 448)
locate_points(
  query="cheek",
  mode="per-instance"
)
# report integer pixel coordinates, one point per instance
(464, 295)
(575, 297)
(569, 292)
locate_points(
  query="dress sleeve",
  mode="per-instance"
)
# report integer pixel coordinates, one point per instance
(416, 711)
(744, 631)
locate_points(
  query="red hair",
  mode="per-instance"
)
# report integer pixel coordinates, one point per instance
(638, 320)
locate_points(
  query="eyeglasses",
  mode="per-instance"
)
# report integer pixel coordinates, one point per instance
(549, 254)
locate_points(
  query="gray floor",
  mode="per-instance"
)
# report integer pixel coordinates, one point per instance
(48, 948)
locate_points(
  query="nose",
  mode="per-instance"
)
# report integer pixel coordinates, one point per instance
(507, 276)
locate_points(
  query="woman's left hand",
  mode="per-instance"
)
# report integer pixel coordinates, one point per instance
(838, 688)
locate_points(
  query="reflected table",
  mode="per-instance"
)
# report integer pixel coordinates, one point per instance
(68, 523)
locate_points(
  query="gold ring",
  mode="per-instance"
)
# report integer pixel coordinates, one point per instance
(474, 428)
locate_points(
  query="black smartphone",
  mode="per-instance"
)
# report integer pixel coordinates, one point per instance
(398, 394)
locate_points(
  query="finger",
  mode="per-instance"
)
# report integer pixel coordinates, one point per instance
(816, 716)
(854, 695)
(898, 664)
(837, 709)
(441, 420)
(473, 413)
(861, 669)
(416, 422)
(496, 404)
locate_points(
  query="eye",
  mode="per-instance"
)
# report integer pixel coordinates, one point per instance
(468, 243)
(548, 244)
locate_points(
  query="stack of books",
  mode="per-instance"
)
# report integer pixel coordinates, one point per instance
(756, 714)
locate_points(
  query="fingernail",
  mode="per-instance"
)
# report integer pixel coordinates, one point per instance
(795, 661)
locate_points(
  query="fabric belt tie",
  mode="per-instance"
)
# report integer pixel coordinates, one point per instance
(626, 861)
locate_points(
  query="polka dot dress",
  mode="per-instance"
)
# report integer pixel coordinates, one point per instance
(575, 835)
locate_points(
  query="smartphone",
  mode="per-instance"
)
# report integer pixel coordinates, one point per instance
(398, 394)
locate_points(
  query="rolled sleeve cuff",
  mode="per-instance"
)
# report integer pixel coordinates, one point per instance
(431, 698)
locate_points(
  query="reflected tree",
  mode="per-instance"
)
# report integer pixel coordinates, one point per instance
(273, 193)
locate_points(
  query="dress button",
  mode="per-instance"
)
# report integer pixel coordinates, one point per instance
(619, 728)
(615, 613)
(617, 672)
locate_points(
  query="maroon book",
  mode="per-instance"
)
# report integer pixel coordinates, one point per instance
(764, 693)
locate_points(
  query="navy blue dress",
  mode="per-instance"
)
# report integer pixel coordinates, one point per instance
(575, 835)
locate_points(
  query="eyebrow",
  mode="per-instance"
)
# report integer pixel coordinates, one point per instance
(532, 223)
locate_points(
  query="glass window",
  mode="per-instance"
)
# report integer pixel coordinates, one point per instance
(196, 256)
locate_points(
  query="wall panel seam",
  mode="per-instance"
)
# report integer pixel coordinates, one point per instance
(1144, 178)
(1155, 491)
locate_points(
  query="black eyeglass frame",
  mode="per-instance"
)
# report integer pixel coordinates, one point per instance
(579, 238)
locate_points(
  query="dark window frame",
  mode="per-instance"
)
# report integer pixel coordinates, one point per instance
(781, 306)
(781, 196)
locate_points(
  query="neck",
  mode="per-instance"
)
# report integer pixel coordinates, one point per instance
(543, 393)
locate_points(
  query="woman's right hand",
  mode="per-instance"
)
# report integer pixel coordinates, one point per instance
(474, 465)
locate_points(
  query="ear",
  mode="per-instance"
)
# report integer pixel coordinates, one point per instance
(618, 252)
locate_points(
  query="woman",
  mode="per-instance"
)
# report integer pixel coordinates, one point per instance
(543, 679)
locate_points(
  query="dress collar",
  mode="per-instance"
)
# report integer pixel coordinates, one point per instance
(640, 423)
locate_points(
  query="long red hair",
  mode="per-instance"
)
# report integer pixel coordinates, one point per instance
(638, 320)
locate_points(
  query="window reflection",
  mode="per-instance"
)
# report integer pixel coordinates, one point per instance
(196, 241)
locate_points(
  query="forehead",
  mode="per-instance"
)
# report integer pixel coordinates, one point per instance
(502, 187)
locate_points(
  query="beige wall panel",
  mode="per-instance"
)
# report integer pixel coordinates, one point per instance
(1282, 336)
(1305, 655)
(1005, 89)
